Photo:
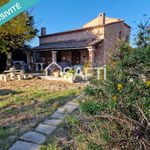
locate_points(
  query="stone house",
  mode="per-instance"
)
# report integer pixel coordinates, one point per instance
(92, 43)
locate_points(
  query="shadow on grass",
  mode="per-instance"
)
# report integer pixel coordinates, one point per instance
(28, 116)
(4, 92)
(47, 107)
(60, 98)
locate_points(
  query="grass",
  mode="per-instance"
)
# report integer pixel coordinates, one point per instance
(24, 104)
(80, 134)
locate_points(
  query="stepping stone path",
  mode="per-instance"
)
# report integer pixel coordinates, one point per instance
(57, 115)
(45, 129)
(32, 140)
(33, 137)
(53, 122)
(20, 145)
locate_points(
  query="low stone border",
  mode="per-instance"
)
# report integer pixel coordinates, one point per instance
(33, 140)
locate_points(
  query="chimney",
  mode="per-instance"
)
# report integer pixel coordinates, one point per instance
(43, 31)
(102, 18)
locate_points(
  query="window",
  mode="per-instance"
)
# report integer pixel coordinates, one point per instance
(127, 38)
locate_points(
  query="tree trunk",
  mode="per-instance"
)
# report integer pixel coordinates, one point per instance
(9, 60)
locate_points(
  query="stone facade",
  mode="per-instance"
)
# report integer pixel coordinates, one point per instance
(94, 42)
(114, 33)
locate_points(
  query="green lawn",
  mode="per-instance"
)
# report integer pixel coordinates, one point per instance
(23, 104)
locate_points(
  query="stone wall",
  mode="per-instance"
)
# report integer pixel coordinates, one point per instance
(112, 38)
(78, 35)
(99, 21)
(99, 56)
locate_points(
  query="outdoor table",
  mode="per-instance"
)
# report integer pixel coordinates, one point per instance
(12, 71)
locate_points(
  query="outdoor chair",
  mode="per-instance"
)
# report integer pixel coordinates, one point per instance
(4, 77)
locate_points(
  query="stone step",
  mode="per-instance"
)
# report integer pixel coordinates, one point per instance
(20, 145)
(45, 129)
(67, 109)
(57, 115)
(53, 122)
(34, 137)
(73, 103)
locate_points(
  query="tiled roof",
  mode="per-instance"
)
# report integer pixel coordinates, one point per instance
(80, 29)
(67, 45)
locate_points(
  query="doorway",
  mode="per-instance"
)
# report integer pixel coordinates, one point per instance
(76, 57)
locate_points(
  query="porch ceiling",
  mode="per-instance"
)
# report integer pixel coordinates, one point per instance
(68, 45)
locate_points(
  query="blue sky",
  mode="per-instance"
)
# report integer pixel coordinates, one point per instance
(61, 15)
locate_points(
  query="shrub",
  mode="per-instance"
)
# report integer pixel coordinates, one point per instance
(116, 113)
(93, 108)
(124, 98)
(89, 91)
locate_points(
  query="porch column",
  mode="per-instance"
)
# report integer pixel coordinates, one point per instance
(37, 67)
(29, 60)
(42, 66)
(91, 56)
(54, 56)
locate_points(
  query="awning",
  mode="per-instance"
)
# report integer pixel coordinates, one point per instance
(68, 45)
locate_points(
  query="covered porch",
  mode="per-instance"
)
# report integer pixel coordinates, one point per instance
(41, 59)
(65, 53)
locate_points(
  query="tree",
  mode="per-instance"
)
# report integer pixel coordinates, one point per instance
(143, 36)
(15, 33)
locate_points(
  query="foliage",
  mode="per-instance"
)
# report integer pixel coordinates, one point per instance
(92, 107)
(89, 91)
(69, 74)
(86, 64)
(3, 133)
(16, 32)
(128, 86)
(115, 114)
(129, 80)
(71, 71)
(143, 37)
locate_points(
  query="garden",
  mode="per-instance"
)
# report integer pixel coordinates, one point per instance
(24, 104)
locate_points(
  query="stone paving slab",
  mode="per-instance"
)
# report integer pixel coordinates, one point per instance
(73, 103)
(67, 109)
(34, 137)
(53, 122)
(57, 115)
(20, 145)
(46, 129)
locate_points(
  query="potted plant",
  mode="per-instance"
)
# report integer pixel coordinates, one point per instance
(70, 74)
